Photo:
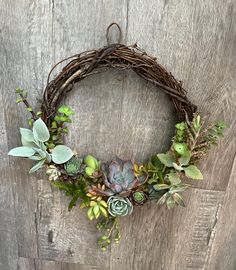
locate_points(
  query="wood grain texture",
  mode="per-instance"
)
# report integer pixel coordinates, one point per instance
(177, 239)
(8, 239)
(117, 113)
(25, 46)
(65, 236)
(222, 255)
(36, 264)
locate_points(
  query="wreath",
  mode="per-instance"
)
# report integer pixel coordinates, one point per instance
(111, 190)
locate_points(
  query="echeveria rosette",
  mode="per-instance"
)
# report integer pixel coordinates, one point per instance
(139, 197)
(119, 206)
(119, 177)
(73, 166)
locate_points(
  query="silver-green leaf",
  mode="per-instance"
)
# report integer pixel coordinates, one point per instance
(61, 153)
(166, 159)
(174, 178)
(27, 134)
(40, 130)
(22, 151)
(193, 172)
(184, 160)
(37, 166)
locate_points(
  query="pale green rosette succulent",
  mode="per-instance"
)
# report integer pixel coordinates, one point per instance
(118, 206)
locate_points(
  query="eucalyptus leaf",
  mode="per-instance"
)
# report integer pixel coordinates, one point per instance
(193, 172)
(37, 166)
(22, 151)
(166, 159)
(61, 153)
(40, 130)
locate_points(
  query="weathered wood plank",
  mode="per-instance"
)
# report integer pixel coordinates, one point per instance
(155, 238)
(65, 236)
(8, 240)
(26, 42)
(222, 255)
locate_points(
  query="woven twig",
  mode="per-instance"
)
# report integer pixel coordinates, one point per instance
(114, 56)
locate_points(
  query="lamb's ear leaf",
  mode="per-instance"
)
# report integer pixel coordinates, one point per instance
(37, 166)
(27, 143)
(61, 153)
(27, 134)
(40, 130)
(22, 151)
(42, 153)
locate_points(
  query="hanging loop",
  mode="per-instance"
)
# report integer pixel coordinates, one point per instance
(108, 33)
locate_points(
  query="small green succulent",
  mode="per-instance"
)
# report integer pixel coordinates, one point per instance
(97, 207)
(73, 166)
(118, 206)
(92, 165)
(139, 197)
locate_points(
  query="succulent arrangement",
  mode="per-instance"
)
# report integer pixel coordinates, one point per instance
(111, 190)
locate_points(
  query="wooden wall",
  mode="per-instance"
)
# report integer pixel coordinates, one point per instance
(118, 113)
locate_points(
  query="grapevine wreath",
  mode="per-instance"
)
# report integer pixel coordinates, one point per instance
(111, 190)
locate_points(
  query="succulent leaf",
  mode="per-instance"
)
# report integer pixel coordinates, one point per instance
(91, 162)
(73, 166)
(27, 135)
(61, 154)
(40, 130)
(37, 166)
(22, 151)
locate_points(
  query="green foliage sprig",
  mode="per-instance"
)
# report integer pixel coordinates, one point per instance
(192, 140)
(76, 190)
(58, 126)
(110, 229)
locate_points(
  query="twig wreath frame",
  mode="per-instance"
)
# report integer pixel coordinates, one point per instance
(111, 190)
